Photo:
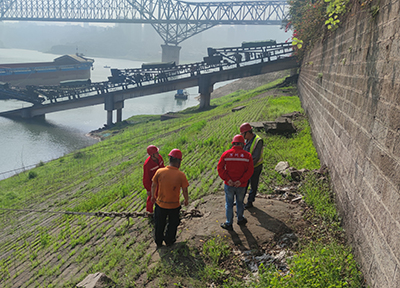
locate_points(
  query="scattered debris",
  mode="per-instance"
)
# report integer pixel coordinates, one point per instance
(276, 256)
(257, 126)
(281, 126)
(238, 108)
(285, 189)
(291, 115)
(191, 214)
(96, 280)
(285, 170)
(168, 116)
(298, 198)
(281, 167)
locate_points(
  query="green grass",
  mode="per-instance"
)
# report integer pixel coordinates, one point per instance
(318, 194)
(328, 265)
(108, 177)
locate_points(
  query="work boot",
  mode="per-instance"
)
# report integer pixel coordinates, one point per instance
(170, 244)
(248, 205)
(227, 226)
(242, 222)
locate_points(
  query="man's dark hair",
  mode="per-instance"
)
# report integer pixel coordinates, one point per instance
(174, 160)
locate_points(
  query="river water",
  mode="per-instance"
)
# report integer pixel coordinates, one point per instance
(26, 142)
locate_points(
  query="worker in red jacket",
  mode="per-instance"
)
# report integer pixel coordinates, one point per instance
(235, 167)
(150, 166)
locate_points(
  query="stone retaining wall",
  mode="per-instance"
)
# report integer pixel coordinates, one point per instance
(350, 87)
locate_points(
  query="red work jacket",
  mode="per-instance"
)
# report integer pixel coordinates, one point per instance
(150, 168)
(236, 164)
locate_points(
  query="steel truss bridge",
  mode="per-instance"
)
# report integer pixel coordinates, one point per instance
(220, 65)
(174, 21)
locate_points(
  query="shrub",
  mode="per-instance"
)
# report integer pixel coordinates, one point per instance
(79, 155)
(32, 175)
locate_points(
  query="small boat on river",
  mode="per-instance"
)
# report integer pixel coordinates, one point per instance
(181, 94)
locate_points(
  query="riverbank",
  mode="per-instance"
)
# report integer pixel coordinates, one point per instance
(53, 249)
(28, 142)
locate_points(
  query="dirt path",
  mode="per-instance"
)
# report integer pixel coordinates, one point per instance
(266, 220)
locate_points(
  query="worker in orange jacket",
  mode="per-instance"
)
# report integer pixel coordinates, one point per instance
(169, 181)
(150, 167)
(235, 167)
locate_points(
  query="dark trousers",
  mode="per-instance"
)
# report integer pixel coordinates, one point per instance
(166, 224)
(253, 182)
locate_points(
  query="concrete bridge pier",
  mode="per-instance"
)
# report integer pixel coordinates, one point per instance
(109, 118)
(27, 113)
(205, 89)
(119, 112)
(170, 53)
(110, 106)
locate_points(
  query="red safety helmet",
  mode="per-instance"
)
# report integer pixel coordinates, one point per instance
(238, 139)
(176, 153)
(245, 127)
(151, 149)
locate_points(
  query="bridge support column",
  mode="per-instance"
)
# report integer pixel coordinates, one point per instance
(109, 118)
(26, 113)
(170, 53)
(110, 106)
(205, 89)
(119, 115)
(119, 105)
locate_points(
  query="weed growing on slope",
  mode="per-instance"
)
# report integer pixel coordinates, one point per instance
(216, 249)
(318, 194)
(318, 265)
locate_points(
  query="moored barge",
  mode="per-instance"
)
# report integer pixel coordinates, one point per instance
(64, 68)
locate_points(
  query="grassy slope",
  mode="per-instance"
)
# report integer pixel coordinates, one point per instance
(53, 250)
